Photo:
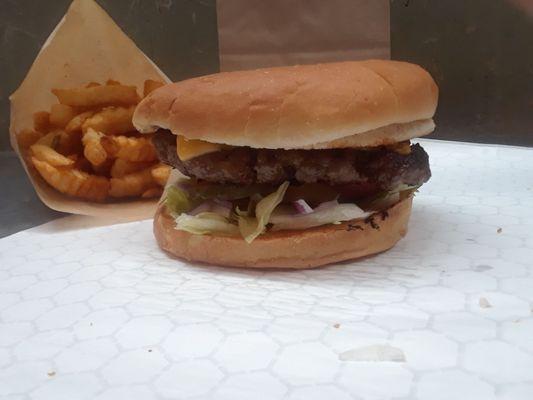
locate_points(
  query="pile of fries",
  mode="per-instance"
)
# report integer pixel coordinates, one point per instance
(87, 147)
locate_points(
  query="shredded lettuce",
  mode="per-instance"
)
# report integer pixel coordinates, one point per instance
(177, 201)
(252, 208)
(284, 218)
(206, 223)
(252, 226)
(383, 202)
(388, 198)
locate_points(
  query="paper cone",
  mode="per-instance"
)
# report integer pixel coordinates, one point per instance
(85, 46)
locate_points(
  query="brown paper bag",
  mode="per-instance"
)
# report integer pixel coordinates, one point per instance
(258, 33)
(85, 46)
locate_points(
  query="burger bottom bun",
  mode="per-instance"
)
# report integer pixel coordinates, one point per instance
(297, 249)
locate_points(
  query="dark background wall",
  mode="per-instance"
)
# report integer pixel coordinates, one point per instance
(481, 54)
(479, 51)
(180, 36)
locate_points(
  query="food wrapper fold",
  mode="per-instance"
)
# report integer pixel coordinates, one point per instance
(85, 46)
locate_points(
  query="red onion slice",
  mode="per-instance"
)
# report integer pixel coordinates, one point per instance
(302, 207)
(329, 214)
(204, 207)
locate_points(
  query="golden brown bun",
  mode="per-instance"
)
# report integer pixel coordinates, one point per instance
(386, 135)
(288, 249)
(291, 107)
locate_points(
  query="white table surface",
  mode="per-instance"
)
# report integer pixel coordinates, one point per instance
(100, 312)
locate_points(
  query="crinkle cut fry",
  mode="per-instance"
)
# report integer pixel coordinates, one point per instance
(129, 148)
(73, 182)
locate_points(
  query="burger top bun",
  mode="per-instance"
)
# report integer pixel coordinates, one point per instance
(346, 104)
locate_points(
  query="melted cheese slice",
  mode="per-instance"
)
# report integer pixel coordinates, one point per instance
(403, 148)
(188, 149)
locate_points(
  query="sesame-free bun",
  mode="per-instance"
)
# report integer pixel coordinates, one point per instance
(302, 106)
(294, 249)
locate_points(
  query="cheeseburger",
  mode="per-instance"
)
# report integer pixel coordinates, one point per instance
(290, 167)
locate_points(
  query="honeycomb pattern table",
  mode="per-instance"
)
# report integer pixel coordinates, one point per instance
(101, 313)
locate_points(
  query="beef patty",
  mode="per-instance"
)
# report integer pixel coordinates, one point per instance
(375, 168)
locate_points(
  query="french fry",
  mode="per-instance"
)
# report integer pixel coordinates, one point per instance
(76, 123)
(83, 164)
(123, 167)
(151, 85)
(111, 121)
(51, 139)
(61, 114)
(160, 173)
(69, 143)
(63, 142)
(98, 96)
(93, 188)
(27, 137)
(87, 146)
(131, 185)
(129, 148)
(41, 121)
(103, 169)
(152, 192)
(93, 149)
(73, 182)
(49, 155)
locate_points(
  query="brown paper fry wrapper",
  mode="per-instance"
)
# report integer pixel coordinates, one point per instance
(85, 46)
(258, 33)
